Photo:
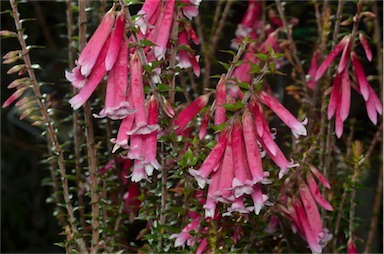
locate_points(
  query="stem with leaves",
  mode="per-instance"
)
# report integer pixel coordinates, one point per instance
(54, 142)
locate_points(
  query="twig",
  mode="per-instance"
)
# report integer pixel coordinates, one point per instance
(91, 149)
(213, 44)
(172, 59)
(55, 145)
(293, 49)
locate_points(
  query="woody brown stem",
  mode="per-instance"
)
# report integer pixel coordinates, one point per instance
(54, 142)
(91, 149)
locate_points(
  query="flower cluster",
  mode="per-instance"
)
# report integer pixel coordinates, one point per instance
(340, 101)
(108, 54)
(233, 169)
(304, 214)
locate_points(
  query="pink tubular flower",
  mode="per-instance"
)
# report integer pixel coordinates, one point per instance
(97, 74)
(319, 176)
(166, 23)
(90, 53)
(312, 70)
(203, 245)
(204, 124)
(116, 39)
(186, 57)
(138, 172)
(210, 204)
(137, 93)
(304, 221)
(367, 48)
(335, 96)
(75, 77)
(296, 127)
(224, 192)
(116, 103)
(241, 183)
(316, 193)
(360, 76)
(147, 11)
(372, 102)
(252, 149)
(311, 210)
(334, 53)
(122, 136)
(190, 112)
(259, 199)
(190, 8)
(351, 246)
(211, 162)
(131, 201)
(221, 96)
(136, 145)
(150, 140)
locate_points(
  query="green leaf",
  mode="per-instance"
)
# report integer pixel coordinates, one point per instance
(162, 88)
(231, 52)
(145, 43)
(218, 128)
(225, 65)
(211, 144)
(233, 106)
(262, 57)
(244, 85)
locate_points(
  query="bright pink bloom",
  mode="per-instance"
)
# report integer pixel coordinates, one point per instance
(186, 57)
(190, 8)
(316, 193)
(304, 221)
(335, 96)
(147, 10)
(14, 96)
(138, 172)
(211, 162)
(90, 53)
(344, 56)
(238, 206)
(345, 101)
(259, 199)
(135, 151)
(351, 246)
(296, 127)
(319, 176)
(210, 205)
(360, 76)
(252, 148)
(312, 70)
(204, 124)
(203, 245)
(365, 44)
(150, 140)
(221, 96)
(166, 24)
(116, 39)
(311, 210)
(242, 182)
(334, 53)
(137, 93)
(373, 105)
(224, 193)
(98, 72)
(190, 112)
(122, 136)
(75, 77)
(116, 103)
